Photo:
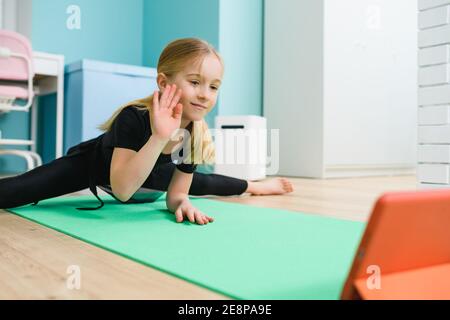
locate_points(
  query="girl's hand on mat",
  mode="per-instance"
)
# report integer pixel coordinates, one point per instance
(186, 209)
(165, 116)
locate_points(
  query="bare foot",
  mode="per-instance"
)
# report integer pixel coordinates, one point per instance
(275, 186)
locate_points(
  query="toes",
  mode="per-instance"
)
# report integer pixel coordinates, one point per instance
(287, 186)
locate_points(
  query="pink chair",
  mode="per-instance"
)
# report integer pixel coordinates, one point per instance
(16, 84)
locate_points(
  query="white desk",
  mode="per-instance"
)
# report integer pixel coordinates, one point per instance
(49, 78)
(16, 142)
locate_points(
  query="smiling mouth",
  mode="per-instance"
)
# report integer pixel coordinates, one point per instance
(198, 106)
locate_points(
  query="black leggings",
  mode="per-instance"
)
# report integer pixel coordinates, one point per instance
(70, 174)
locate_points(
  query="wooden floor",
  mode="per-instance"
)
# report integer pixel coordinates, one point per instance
(34, 259)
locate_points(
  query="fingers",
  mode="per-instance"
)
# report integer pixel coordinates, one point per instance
(165, 94)
(176, 99)
(178, 111)
(203, 218)
(179, 215)
(156, 99)
(190, 213)
(199, 217)
(193, 215)
(172, 90)
(208, 219)
(170, 97)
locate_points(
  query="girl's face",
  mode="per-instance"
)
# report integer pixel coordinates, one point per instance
(200, 85)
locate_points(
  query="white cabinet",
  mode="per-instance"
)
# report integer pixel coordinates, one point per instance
(340, 82)
(433, 153)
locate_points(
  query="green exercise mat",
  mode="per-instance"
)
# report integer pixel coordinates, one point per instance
(246, 253)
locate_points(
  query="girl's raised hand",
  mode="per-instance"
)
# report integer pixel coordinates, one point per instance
(165, 116)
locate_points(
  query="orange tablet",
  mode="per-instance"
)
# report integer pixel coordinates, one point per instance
(405, 250)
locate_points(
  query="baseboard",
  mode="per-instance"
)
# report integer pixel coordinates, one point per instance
(427, 186)
(351, 171)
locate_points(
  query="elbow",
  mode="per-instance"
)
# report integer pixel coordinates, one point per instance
(121, 194)
(119, 187)
(121, 197)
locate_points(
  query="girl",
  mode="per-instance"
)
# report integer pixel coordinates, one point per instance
(132, 159)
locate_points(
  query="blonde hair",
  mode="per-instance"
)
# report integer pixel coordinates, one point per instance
(174, 58)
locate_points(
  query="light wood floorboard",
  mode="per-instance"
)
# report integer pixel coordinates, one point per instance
(34, 259)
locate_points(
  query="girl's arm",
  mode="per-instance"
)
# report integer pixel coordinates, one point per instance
(177, 199)
(130, 169)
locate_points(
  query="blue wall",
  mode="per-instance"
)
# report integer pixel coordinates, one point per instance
(14, 125)
(111, 30)
(193, 18)
(167, 20)
(241, 45)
